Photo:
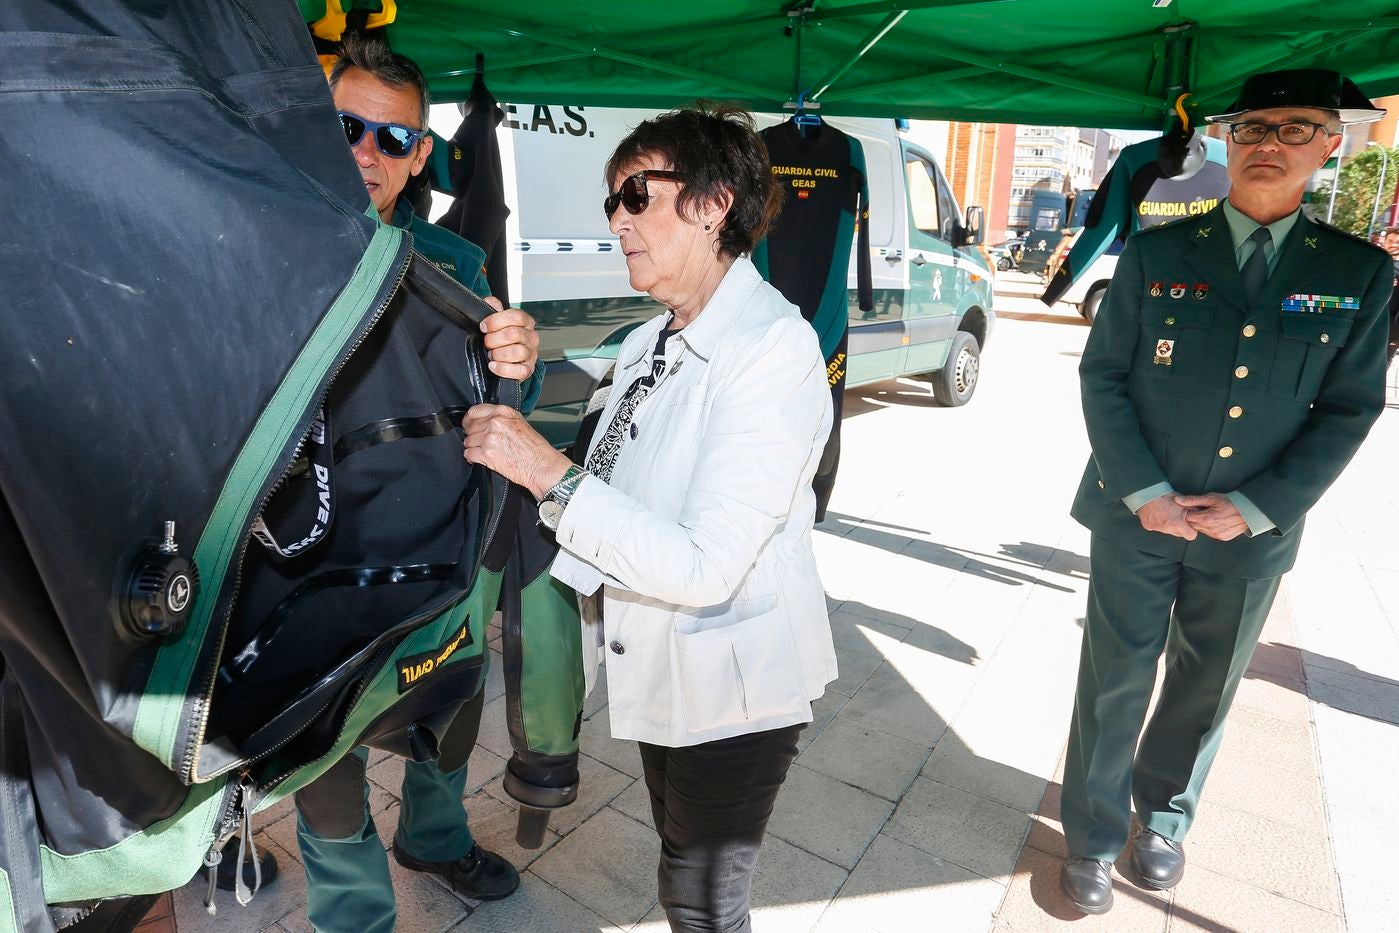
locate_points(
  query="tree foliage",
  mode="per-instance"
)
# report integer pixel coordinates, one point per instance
(1355, 196)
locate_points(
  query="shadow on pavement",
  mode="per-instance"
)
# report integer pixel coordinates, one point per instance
(1331, 682)
(963, 560)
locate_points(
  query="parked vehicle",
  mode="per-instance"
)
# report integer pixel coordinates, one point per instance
(932, 309)
(1006, 255)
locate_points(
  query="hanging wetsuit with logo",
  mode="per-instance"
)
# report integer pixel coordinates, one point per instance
(1136, 194)
(806, 256)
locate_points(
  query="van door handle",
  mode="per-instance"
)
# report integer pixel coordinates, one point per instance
(918, 259)
(894, 257)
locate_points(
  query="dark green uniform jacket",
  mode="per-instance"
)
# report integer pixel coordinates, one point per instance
(1184, 382)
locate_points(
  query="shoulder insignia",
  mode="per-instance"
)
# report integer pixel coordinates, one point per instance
(1344, 234)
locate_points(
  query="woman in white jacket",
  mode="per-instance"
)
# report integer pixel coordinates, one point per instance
(691, 518)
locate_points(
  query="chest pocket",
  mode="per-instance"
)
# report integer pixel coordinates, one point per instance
(1174, 334)
(1306, 346)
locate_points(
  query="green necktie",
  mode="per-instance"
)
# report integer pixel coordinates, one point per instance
(1255, 270)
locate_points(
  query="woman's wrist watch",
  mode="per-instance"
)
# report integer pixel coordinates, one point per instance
(556, 499)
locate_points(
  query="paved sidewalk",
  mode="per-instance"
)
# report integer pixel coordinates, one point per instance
(925, 797)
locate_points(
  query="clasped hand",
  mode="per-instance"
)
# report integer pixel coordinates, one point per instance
(1212, 515)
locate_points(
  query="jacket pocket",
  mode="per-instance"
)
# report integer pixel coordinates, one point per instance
(1173, 335)
(739, 672)
(1305, 350)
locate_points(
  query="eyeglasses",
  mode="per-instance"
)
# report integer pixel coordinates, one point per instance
(633, 194)
(393, 139)
(1295, 133)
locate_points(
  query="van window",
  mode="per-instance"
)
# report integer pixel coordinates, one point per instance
(922, 196)
(948, 211)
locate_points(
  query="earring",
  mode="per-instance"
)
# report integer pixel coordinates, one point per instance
(707, 226)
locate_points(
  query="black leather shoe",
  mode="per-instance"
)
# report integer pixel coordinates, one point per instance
(479, 874)
(228, 867)
(1087, 883)
(1157, 862)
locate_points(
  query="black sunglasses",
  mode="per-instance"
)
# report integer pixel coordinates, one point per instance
(633, 194)
(1292, 133)
(393, 139)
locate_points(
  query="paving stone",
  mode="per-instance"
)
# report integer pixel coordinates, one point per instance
(823, 712)
(889, 703)
(974, 832)
(1035, 903)
(880, 763)
(952, 762)
(1046, 828)
(1267, 766)
(897, 888)
(635, 802)
(494, 735)
(595, 739)
(1206, 902)
(537, 907)
(597, 785)
(495, 677)
(608, 865)
(827, 817)
(791, 887)
(1370, 905)
(1271, 855)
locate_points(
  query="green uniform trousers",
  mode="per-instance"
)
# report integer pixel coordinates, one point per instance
(348, 888)
(1140, 604)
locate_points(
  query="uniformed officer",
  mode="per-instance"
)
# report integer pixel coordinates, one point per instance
(383, 102)
(1235, 367)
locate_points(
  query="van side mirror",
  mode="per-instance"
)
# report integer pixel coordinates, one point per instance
(974, 230)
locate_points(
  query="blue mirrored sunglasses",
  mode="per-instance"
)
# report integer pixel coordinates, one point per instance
(393, 139)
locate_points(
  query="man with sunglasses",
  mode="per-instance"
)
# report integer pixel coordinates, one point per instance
(1234, 368)
(382, 99)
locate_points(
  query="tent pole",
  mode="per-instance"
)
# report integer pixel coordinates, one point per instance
(1179, 45)
(869, 42)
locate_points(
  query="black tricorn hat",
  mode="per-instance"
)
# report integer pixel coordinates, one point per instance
(1303, 87)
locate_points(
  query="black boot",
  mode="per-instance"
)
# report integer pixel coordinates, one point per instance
(228, 880)
(1157, 862)
(1087, 882)
(479, 874)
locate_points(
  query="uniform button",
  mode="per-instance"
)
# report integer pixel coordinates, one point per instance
(1170, 320)
(1225, 452)
(1100, 484)
(1250, 330)
(1241, 372)
(1325, 338)
(1236, 412)
(634, 431)
(618, 648)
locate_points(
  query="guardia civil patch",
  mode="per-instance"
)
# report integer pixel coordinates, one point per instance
(1319, 304)
(414, 667)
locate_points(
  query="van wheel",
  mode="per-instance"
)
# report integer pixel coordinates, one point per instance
(954, 384)
(1089, 308)
(1003, 264)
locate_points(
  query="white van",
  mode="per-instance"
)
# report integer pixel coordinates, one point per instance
(932, 283)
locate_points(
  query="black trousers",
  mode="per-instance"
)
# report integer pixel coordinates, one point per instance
(711, 804)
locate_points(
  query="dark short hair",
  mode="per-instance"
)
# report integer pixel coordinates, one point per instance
(397, 71)
(715, 148)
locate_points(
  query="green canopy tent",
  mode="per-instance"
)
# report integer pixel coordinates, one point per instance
(1118, 63)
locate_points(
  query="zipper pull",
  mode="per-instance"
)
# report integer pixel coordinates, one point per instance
(246, 845)
(212, 858)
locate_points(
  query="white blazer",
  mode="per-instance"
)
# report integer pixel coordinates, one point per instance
(714, 613)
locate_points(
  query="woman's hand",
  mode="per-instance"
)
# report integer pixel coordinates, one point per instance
(511, 341)
(499, 438)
